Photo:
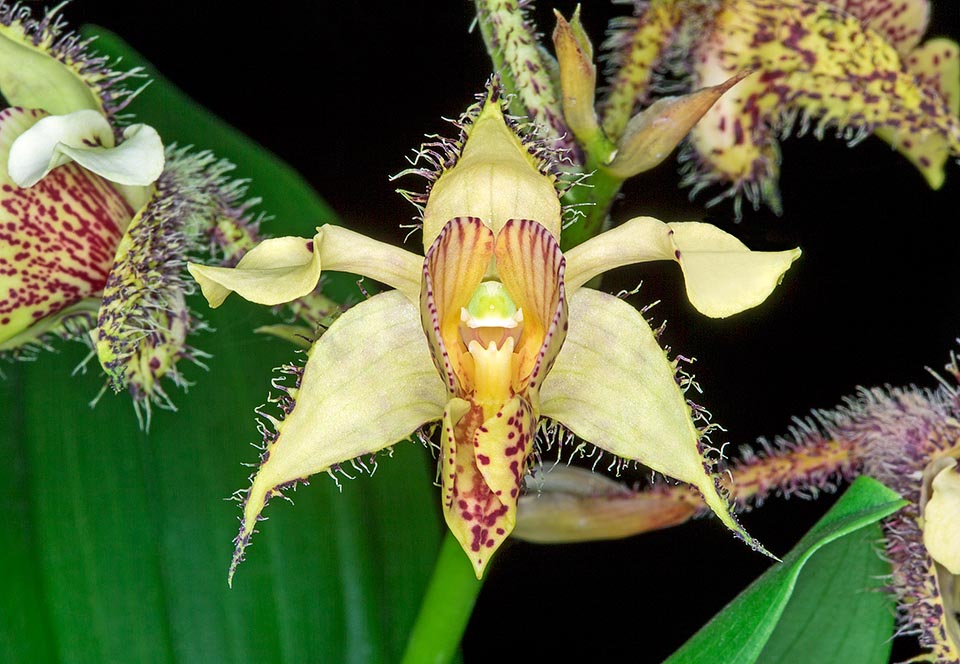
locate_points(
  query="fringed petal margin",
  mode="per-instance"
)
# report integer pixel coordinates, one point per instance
(496, 178)
(819, 67)
(723, 277)
(368, 383)
(612, 385)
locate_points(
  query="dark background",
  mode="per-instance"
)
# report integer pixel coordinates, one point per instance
(344, 93)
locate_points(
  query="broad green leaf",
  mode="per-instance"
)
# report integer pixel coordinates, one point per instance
(117, 542)
(739, 633)
(838, 611)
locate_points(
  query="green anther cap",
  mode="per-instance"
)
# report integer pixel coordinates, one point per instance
(491, 305)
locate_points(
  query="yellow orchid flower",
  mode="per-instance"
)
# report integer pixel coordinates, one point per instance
(858, 68)
(96, 219)
(490, 332)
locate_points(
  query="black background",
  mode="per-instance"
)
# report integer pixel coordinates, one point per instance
(343, 93)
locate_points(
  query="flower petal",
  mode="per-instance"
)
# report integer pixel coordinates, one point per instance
(137, 161)
(723, 277)
(35, 153)
(86, 137)
(275, 271)
(495, 179)
(283, 269)
(613, 386)
(531, 268)
(452, 270)
(57, 239)
(941, 518)
(368, 383)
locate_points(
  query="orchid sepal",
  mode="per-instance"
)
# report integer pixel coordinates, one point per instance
(611, 363)
(368, 383)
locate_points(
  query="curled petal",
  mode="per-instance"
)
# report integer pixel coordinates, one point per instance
(275, 271)
(86, 137)
(283, 269)
(368, 383)
(722, 275)
(495, 179)
(613, 386)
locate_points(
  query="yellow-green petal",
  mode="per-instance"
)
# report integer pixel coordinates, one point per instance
(368, 383)
(941, 518)
(723, 277)
(495, 179)
(283, 269)
(275, 271)
(30, 77)
(613, 386)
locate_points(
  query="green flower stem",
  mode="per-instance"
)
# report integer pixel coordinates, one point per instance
(594, 199)
(446, 607)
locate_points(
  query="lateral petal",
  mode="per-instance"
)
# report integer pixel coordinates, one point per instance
(368, 383)
(86, 137)
(723, 277)
(612, 385)
(275, 271)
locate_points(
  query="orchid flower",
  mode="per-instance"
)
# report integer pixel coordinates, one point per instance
(488, 333)
(907, 438)
(96, 220)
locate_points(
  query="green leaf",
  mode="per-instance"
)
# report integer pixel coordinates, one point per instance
(740, 632)
(838, 611)
(117, 542)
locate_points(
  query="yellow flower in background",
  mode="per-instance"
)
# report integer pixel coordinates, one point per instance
(491, 332)
(852, 68)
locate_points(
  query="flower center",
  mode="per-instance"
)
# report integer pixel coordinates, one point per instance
(490, 317)
(490, 328)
